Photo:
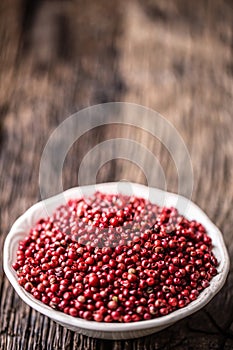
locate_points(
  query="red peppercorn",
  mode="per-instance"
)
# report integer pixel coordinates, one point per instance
(112, 305)
(97, 251)
(94, 281)
(98, 317)
(147, 316)
(150, 281)
(37, 295)
(45, 299)
(67, 295)
(73, 312)
(87, 315)
(172, 302)
(132, 277)
(127, 318)
(89, 261)
(181, 303)
(163, 311)
(28, 286)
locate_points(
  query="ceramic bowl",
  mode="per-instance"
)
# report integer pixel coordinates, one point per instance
(116, 330)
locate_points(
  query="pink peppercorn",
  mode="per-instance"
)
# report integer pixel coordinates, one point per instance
(113, 258)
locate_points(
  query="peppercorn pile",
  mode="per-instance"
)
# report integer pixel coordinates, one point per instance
(114, 258)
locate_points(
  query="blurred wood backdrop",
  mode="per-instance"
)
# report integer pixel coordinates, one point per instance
(174, 56)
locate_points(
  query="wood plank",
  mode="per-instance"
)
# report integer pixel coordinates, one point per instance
(57, 57)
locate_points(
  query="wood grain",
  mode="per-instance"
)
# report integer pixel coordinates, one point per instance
(174, 56)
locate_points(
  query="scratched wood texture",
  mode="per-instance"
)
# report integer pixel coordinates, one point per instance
(174, 56)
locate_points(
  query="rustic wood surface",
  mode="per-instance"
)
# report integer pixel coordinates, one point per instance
(175, 56)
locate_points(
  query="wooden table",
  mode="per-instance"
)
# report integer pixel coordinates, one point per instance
(174, 56)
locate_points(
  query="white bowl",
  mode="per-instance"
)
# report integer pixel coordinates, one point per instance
(116, 330)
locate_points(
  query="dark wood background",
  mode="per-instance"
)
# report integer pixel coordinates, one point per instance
(175, 56)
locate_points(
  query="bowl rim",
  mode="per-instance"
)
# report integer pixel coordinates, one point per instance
(205, 296)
